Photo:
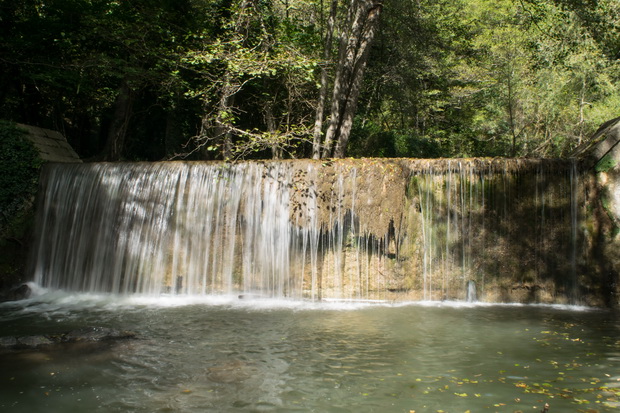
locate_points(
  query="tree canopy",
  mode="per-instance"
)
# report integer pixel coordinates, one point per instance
(233, 79)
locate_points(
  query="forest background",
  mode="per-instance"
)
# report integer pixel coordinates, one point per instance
(235, 79)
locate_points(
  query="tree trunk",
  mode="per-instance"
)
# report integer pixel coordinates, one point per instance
(276, 148)
(353, 55)
(216, 124)
(346, 36)
(320, 109)
(117, 133)
(222, 121)
(350, 108)
(173, 135)
(511, 119)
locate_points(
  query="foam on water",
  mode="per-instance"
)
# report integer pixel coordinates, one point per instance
(52, 303)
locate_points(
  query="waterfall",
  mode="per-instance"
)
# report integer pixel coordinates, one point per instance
(471, 292)
(348, 229)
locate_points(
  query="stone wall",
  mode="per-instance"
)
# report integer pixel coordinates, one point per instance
(600, 158)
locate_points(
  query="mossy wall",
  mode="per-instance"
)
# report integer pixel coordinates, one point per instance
(19, 170)
(514, 227)
(23, 149)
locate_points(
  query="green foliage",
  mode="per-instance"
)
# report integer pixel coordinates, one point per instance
(258, 74)
(496, 78)
(19, 172)
(369, 139)
(445, 77)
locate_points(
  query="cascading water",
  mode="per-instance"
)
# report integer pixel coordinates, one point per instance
(190, 238)
(140, 227)
(496, 222)
(471, 292)
(365, 229)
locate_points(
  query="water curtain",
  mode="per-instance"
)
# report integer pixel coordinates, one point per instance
(348, 229)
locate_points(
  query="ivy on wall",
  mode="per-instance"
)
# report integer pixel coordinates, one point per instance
(19, 172)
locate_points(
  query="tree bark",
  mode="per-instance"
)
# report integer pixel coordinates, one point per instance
(117, 133)
(353, 55)
(276, 149)
(216, 123)
(222, 121)
(350, 108)
(346, 36)
(512, 107)
(320, 109)
(173, 134)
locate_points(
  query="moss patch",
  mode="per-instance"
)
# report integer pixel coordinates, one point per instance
(19, 173)
(606, 163)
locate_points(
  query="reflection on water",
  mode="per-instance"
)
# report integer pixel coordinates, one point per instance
(222, 354)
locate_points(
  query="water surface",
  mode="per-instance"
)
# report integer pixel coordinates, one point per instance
(225, 354)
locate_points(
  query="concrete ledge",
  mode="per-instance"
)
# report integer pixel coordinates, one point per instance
(52, 146)
(603, 143)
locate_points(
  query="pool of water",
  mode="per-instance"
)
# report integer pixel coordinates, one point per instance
(225, 354)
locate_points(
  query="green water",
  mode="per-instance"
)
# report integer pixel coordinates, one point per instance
(219, 354)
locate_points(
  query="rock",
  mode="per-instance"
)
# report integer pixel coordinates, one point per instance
(33, 342)
(8, 342)
(21, 292)
(83, 335)
(250, 296)
(26, 342)
(233, 371)
(96, 334)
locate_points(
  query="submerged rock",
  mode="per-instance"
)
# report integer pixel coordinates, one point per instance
(233, 371)
(33, 342)
(96, 334)
(83, 335)
(8, 342)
